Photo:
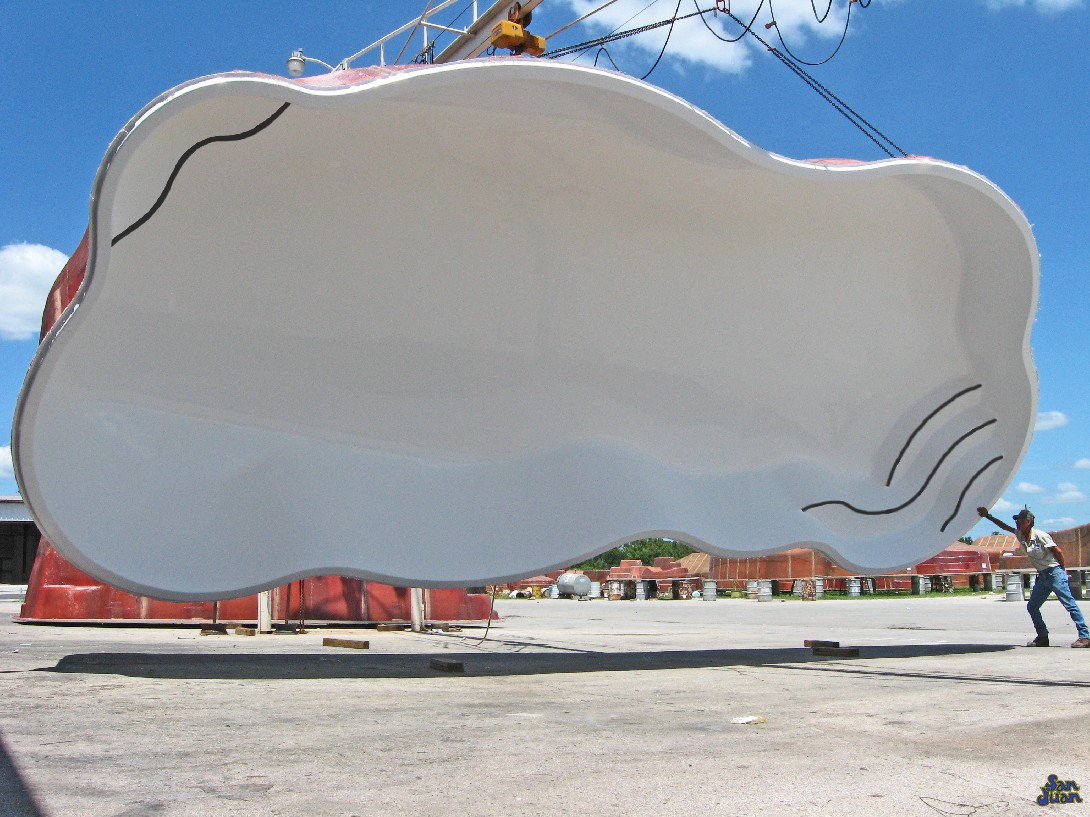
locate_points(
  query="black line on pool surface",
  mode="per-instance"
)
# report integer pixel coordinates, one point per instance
(233, 137)
(957, 508)
(926, 420)
(918, 493)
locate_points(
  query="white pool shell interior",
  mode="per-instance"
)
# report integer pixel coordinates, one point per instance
(470, 322)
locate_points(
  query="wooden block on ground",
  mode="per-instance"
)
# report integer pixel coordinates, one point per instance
(837, 652)
(447, 665)
(814, 642)
(245, 631)
(348, 643)
(392, 628)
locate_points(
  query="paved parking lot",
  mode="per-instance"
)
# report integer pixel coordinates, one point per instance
(597, 707)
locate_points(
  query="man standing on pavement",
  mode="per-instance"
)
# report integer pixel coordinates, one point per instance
(1051, 575)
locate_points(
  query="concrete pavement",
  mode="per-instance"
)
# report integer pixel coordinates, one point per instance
(605, 708)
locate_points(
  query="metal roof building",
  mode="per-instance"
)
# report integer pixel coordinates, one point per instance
(19, 539)
(14, 509)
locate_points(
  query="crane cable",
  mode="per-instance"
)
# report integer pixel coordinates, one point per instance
(847, 111)
(795, 65)
(613, 36)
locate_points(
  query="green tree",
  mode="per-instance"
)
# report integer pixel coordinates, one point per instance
(646, 550)
(968, 540)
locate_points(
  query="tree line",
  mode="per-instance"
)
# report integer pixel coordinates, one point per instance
(646, 550)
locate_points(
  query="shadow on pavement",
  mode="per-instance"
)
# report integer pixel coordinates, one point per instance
(476, 664)
(946, 676)
(15, 799)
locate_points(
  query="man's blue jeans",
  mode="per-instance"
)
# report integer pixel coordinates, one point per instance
(1054, 580)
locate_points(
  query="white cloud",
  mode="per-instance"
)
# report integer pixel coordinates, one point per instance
(691, 42)
(1058, 522)
(27, 272)
(798, 30)
(1003, 506)
(1028, 488)
(1055, 6)
(1065, 497)
(7, 471)
(1068, 492)
(1043, 6)
(1083, 463)
(1048, 420)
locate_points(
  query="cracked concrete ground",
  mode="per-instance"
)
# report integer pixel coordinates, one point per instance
(604, 708)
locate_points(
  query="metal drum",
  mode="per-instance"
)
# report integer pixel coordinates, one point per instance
(708, 593)
(573, 584)
(1015, 588)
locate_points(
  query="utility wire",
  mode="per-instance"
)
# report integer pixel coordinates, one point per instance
(429, 50)
(820, 19)
(626, 22)
(578, 20)
(408, 39)
(746, 27)
(669, 34)
(785, 57)
(602, 51)
(612, 37)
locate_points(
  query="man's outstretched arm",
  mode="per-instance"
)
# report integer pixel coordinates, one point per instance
(984, 514)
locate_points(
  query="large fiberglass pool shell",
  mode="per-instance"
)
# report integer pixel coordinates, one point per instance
(465, 323)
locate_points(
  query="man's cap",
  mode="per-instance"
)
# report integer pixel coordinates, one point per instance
(1025, 513)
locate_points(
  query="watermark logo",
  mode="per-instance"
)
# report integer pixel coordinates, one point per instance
(1058, 791)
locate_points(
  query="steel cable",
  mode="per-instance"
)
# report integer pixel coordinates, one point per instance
(785, 57)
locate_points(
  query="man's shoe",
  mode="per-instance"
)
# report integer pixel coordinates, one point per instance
(1081, 642)
(1039, 641)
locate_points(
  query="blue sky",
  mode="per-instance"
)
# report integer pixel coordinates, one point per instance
(1000, 86)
